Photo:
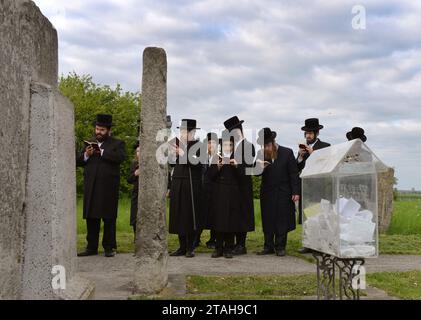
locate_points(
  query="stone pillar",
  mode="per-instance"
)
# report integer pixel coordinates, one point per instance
(37, 175)
(151, 274)
(386, 181)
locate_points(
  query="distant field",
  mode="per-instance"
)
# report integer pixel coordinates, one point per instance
(409, 197)
(403, 237)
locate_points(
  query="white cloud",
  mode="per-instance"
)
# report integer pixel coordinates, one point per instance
(272, 63)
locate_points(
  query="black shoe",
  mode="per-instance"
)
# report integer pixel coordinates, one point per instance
(217, 253)
(178, 253)
(239, 250)
(189, 254)
(109, 253)
(281, 253)
(211, 244)
(87, 253)
(304, 250)
(228, 254)
(265, 252)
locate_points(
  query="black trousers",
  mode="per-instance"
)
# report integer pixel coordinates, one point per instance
(240, 239)
(187, 241)
(224, 241)
(109, 241)
(275, 241)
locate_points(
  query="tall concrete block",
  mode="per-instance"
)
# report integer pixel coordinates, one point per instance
(50, 226)
(28, 51)
(151, 274)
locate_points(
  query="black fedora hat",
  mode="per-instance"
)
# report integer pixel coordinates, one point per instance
(265, 136)
(356, 133)
(189, 124)
(104, 120)
(212, 136)
(233, 123)
(312, 124)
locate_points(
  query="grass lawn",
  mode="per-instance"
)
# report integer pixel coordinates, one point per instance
(403, 237)
(403, 285)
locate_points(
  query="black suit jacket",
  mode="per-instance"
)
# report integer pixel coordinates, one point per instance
(102, 180)
(301, 165)
(317, 146)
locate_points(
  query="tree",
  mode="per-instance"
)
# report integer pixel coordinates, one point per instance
(91, 99)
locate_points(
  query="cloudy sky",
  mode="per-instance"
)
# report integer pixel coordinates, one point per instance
(272, 63)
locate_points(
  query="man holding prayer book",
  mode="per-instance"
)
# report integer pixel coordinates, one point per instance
(101, 159)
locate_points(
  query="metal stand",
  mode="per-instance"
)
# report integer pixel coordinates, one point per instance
(325, 275)
(348, 274)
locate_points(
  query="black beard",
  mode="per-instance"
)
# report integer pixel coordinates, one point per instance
(311, 141)
(101, 138)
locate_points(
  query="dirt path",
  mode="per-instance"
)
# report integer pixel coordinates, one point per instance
(112, 276)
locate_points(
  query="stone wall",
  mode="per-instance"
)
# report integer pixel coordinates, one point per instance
(386, 181)
(37, 209)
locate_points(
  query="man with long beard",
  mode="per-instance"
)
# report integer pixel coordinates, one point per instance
(244, 154)
(278, 192)
(101, 160)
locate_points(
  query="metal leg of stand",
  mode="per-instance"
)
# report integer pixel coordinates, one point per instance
(325, 276)
(347, 277)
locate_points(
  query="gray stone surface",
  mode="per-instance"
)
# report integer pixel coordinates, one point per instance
(151, 274)
(37, 175)
(50, 227)
(28, 51)
(385, 198)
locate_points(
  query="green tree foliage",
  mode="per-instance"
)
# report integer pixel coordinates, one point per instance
(91, 99)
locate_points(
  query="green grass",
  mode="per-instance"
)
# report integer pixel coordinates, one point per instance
(406, 218)
(403, 285)
(403, 237)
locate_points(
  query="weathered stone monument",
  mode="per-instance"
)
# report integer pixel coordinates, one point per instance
(385, 198)
(151, 273)
(37, 175)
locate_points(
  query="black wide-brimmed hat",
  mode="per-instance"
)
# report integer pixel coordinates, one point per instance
(312, 124)
(233, 123)
(212, 136)
(356, 133)
(104, 120)
(189, 124)
(265, 136)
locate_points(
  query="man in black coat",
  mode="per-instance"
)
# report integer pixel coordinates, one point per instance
(186, 187)
(101, 161)
(211, 142)
(133, 179)
(279, 190)
(244, 153)
(311, 130)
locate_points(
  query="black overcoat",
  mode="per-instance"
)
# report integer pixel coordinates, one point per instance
(226, 213)
(102, 180)
(181, 220)
(279, 183)
(246, 182)
(301, 165)
(207, 190)
(134, 180)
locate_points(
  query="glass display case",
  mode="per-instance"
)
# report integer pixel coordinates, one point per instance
(339, 190)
